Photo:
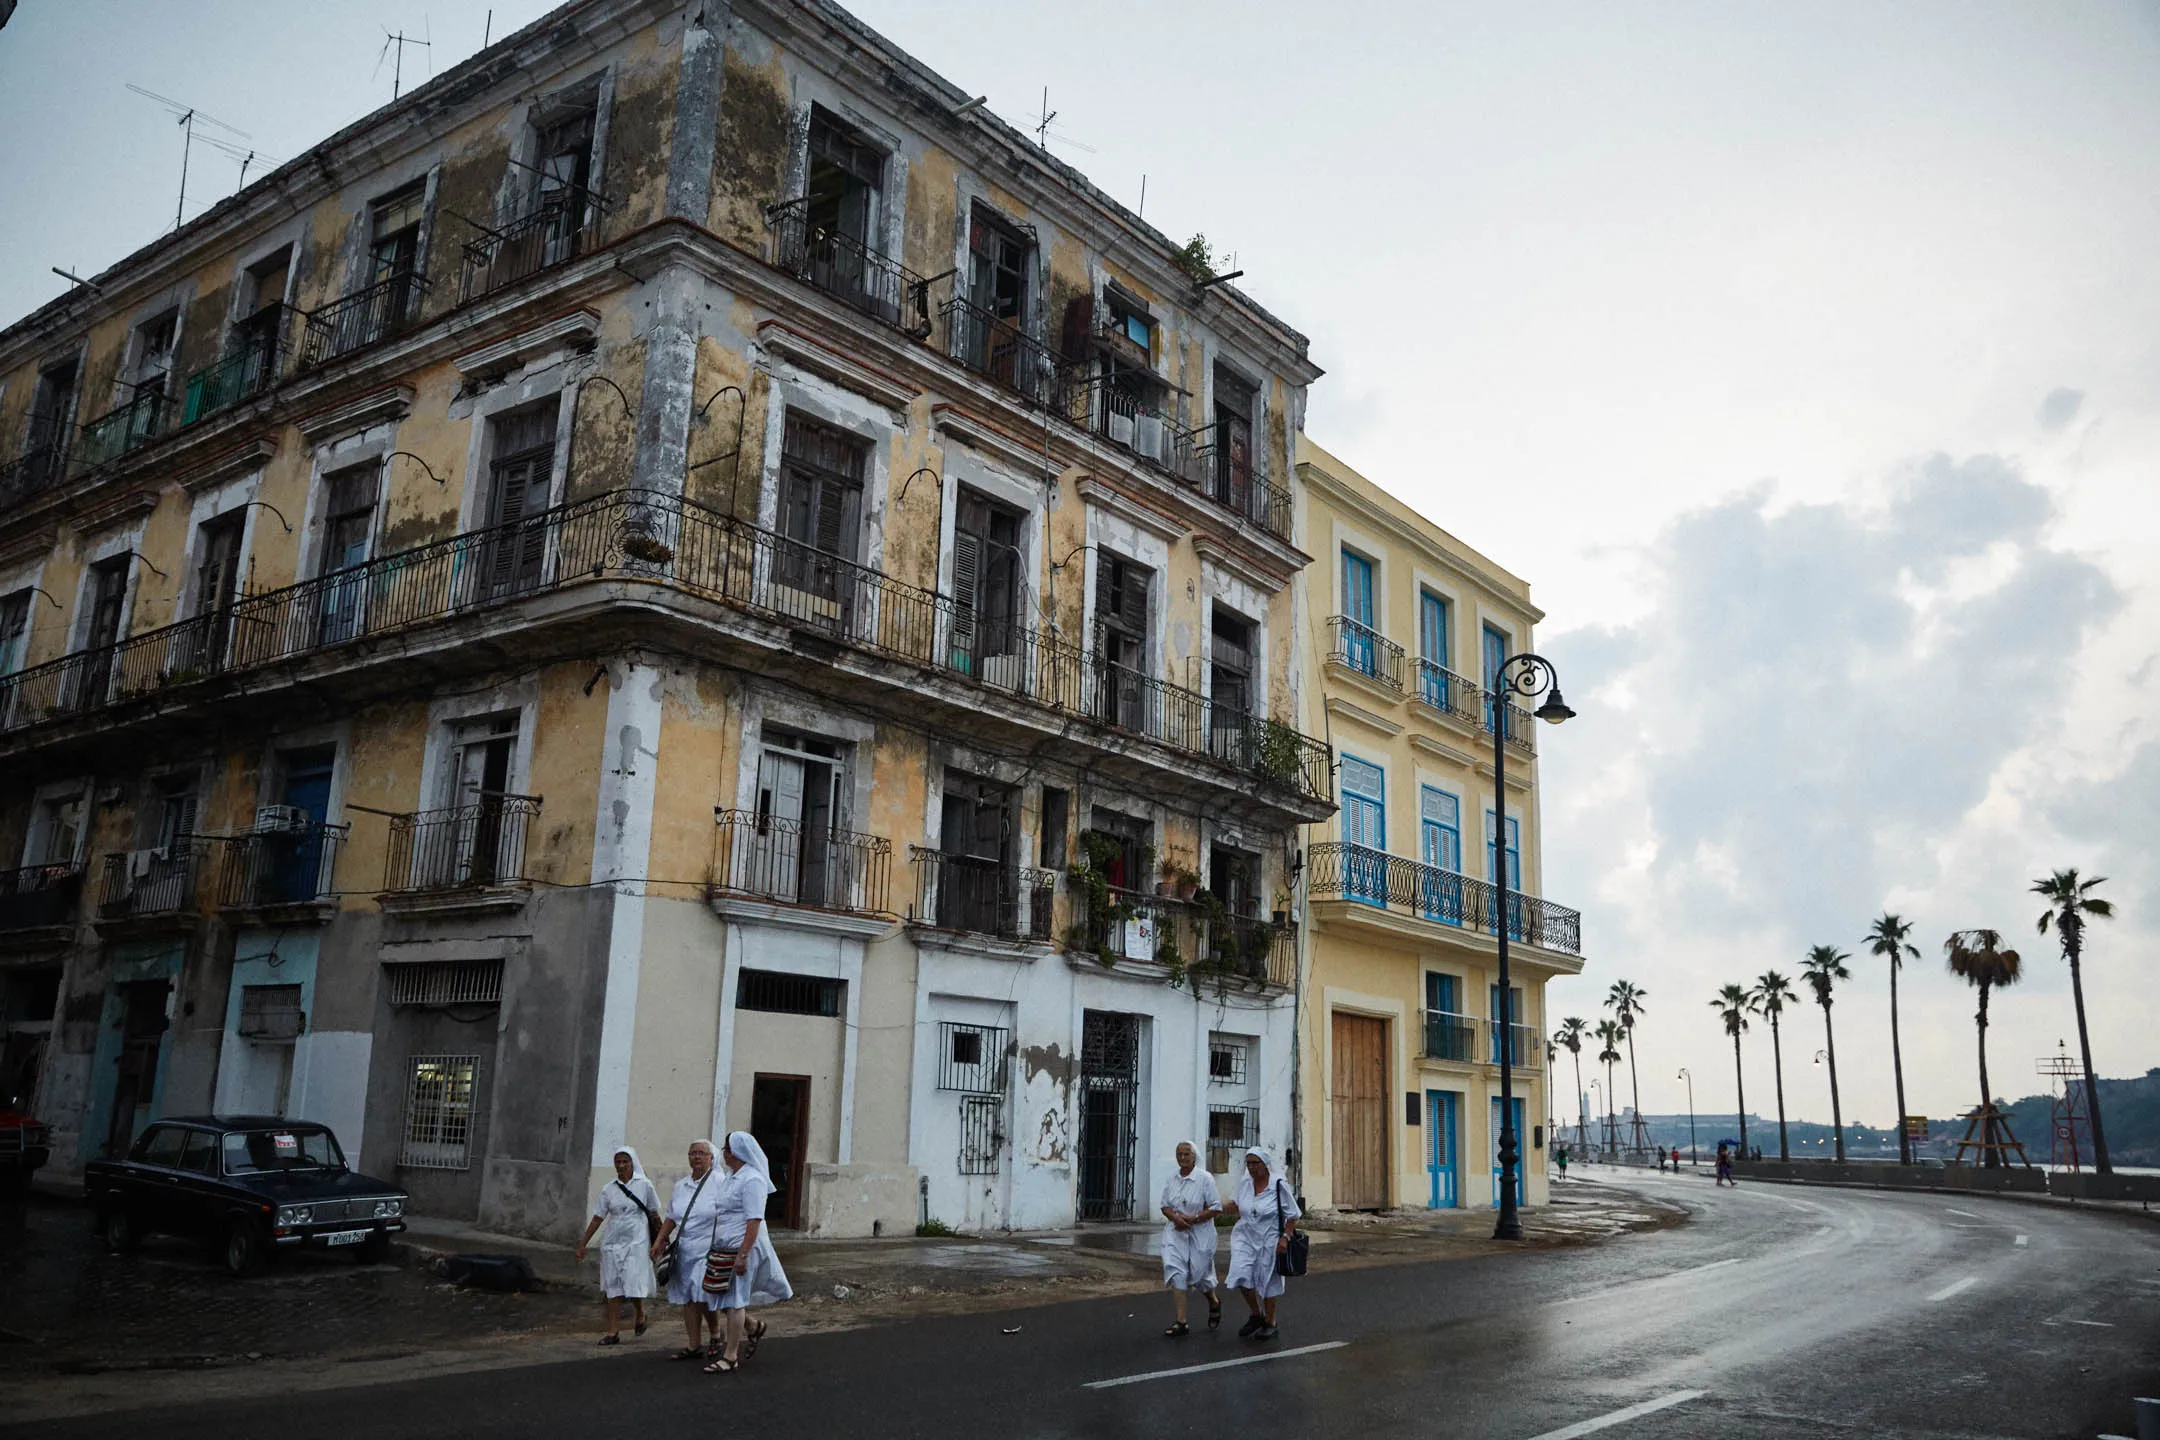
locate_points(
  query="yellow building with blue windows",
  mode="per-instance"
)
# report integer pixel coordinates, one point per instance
(1401, 1030)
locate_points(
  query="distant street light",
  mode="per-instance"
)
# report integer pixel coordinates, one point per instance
(1683, 1075)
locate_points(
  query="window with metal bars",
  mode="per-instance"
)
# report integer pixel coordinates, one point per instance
(779, 993)
(271, 1012)
(1226, 1062)
(972, 1057)
(982, 1135)
(439, 1112)
(1232, 1130)
(445, 982)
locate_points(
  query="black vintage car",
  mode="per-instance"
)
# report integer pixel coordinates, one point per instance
(254, 1185)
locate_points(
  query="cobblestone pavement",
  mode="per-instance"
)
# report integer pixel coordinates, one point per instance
(72, 1308)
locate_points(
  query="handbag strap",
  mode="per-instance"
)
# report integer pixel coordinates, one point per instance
(688, 1209)
(643, 1209)
(1278, 1208)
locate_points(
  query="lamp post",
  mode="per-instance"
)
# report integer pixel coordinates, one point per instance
(1683, 1075)
(1529, 676)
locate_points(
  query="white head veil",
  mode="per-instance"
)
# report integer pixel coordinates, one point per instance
(637, 1166)
(743, 1147)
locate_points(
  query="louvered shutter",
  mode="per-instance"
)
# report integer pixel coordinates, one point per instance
(1133, 597)
(967, 578)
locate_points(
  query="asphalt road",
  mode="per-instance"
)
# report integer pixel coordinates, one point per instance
(1779, 1311)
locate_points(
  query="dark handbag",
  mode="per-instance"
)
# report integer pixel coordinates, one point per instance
(720, 1268)
(665, 1265)
(1291, 1260)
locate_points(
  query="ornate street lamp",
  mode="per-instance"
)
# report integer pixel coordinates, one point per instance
(1529, 676)
(1683, 1075)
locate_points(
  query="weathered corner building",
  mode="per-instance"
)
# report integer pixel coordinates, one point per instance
(675, 579)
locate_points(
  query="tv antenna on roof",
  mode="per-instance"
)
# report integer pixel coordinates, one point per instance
(401, 40)
(1044, 134)
(188, 117)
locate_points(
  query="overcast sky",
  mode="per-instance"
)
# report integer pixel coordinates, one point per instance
(1803, 357)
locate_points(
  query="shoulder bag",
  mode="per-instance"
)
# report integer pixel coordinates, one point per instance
(666, 1263)
(1291, 1260)
(674, 1250)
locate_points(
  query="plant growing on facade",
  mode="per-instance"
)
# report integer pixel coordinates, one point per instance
(1279, 758)
(647, 549)
(2070, 902)
(1770, 994)
(1823, 968)
(1197, 260)
(1734, 1004)
(1890, 937)
(1101, 908)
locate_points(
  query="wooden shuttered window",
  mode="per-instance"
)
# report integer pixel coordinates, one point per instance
(821, 486)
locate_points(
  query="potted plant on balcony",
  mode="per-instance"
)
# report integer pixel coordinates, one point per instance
(647, 549)
(1100, 909)
(1178, 877)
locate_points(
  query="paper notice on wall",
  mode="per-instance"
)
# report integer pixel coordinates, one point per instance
(287, 1146)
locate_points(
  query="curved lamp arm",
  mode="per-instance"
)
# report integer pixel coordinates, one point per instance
(417, 461)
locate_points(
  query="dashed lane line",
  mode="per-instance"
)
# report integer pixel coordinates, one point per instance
(1958, 1287)
(1216, 1365)
(2020, 1240)
(1621, 1417)
(1966, 1213)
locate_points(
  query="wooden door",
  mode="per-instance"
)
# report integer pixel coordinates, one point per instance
(779, 1122)
(1357, 1100)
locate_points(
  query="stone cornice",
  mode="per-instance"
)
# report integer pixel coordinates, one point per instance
(235, 462)
(1213, 552)
(1492, 582)
(960, 427)
(393, 402)
(577, 331)
(1358, 715)
(28, 545)
(116, 511)
(782, 341)
(1131, 511)
(799, 917)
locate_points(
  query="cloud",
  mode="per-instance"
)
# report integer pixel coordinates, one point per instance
(2059, 409)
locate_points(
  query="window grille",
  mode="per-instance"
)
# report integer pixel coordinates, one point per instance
(783, 994)
(972, 1057)
(445, 982)
(1225, 1062)
(1231, 1131)
(982, 1137)
(439, 1112)
(271, 1012)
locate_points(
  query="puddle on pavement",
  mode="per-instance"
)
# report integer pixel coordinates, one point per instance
(988, 1259)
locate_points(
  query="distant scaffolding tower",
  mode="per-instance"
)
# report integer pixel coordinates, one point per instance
(2069, 1120)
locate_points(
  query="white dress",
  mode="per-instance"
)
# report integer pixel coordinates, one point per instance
(762, 1281)
(1188, 1256)
(1252, 1239)
(626, 1271)
(693, 1236)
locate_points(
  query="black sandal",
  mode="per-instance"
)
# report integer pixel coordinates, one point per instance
(1214, 1312)
(1181, 1328)
(611, 1339)
(723, 1366)
(687, 1355)
(753, 1332)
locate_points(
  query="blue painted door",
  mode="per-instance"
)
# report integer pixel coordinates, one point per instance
(1496, 652)
(1442, 1163)
(1517, 910)
(1364, 830)
(1522, 1146)
(1440, 847)
(1433, 646)
(1357, 609)
(296, 869)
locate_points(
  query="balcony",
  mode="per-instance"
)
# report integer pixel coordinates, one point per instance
(981, 896)
(475, 846)
(40, 467)
(113, 434)
(1364, 651)
(39, 897)
(1227, 477)
(1441, 690)
(1338, 871)
(555, 231)
(849, 270)
(999, 351)
(388, 307)
(270, 869)
(1527, 1052)
(1194, 936)
(159, 883)
(1451, 1037)
(255, 353)
(767, 857)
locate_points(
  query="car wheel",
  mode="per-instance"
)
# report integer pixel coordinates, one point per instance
(373, 1250)
(245, 1252)
(121, 1233)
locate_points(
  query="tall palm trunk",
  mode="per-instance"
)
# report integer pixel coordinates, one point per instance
(1635, 1080)
(1612, 1112)
(2092, 1081)
(1837, 1115)
(1740, 1086)
(1777, 1056)
(1897, 1068)
(1988, 1160)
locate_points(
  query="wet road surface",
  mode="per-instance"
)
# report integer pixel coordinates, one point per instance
(1780, 1311)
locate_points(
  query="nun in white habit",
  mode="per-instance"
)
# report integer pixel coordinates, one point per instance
(741, 1227)
(1190, 1203)
(1267, 1215)
(693, 1210)
(624, 1215)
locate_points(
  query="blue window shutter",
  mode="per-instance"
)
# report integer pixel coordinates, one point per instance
(1433, 629)
(1357, 588)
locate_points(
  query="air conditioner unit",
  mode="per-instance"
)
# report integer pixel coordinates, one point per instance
(280, 818)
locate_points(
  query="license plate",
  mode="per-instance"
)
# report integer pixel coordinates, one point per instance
(344, 1237)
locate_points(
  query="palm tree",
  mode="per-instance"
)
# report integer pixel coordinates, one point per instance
(1570, 1035)
(1608, 1035)
(2070, 901)
(1890, 938)
(1823, 968)
(1977, 958)
(1625, 1002)
(1735, 1005)
(1770, 994)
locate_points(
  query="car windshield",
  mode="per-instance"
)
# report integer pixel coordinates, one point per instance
(254, 1152)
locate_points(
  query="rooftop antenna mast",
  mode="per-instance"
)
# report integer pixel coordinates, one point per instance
(1044, 132)
(401, 40)
(188, 117)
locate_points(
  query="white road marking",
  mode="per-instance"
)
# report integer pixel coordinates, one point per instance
(1966, 1213)
(2019, 1241)
(2066, 1320)
(1217, 1365)
(1698, 1269)
(1621, 1417)
(1958, 1288)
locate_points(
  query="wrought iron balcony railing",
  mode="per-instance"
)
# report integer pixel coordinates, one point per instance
(849, 270)
(772, 858)
(1526, 1053)
(39, 895)
(1227, 477)
(1000, 351)
(1451, 1037)
(42, 465)
(388, 307)
(981, 895)
(668, 540)
(116, 432)
(1359, 647)
(158, 881)
(1339, 871)
(1521, 727)
(461, 847)
(255, 354)
(266, 868)
(1441, 689)
(1163, 930)
(556, 230)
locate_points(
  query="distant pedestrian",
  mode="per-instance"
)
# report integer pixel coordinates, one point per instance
(692, 1212)
(1560, 1158)
(1724, 1165)
(627, 1217)
(1676, 1159)
(1190, 1203)
(742, 1268)
(1267, 1215)
(1661, 1160)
